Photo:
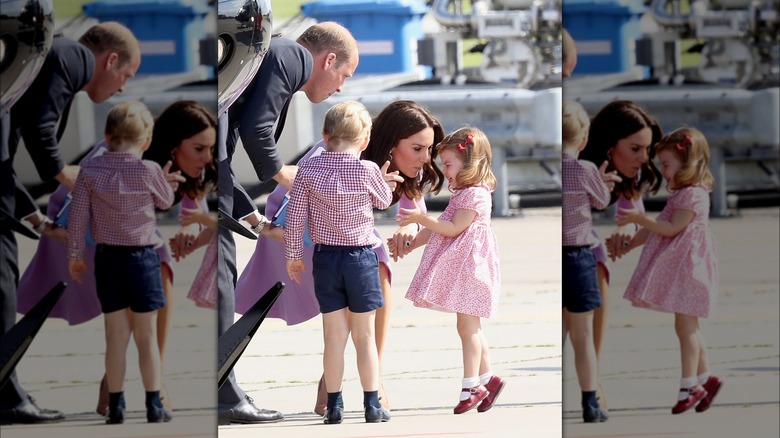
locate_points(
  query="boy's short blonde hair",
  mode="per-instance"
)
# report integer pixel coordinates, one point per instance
(347, 122)
(575, 124)
(128, 123)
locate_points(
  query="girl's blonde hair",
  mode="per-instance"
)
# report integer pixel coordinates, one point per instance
(473, 146)
(347, 122)
(128, 123)
(575, 124)
(692, 148)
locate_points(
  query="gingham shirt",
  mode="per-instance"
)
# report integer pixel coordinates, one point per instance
(117, 193)
(336, 193)
(583, 188)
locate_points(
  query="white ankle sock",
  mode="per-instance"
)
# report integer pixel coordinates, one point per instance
(468, 383)
(703, 377)
(485, 378)
(685, 384)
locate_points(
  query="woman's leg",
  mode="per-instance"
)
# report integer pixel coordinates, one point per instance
(117, 326)
(600, 314)
(145, 335)
(382, 323)
(164, 313)
(600, 326)
(164, 326)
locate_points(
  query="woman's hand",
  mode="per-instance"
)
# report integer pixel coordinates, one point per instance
(402, 242)
(274, 232)
(294, 270)
(173, 178)
(183, 243)
(56, 232)
(618, 243)
(392, 179)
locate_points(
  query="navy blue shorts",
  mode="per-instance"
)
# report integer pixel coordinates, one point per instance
(580, 282)
(346, 276)
(128, 276)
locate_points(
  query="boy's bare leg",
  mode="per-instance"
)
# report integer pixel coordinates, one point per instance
(363, 338)
(117, 327)
(145, 335)
(335, 332)
(580, 326)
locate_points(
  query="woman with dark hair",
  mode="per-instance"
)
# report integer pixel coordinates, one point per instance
(623, 135)
(184, 135)
(403, 133)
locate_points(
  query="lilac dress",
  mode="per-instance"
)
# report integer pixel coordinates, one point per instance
(79, 303)
(268, 265)
(600, 251)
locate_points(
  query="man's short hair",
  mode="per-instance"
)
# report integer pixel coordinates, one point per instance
(329, 36)
(112, 36)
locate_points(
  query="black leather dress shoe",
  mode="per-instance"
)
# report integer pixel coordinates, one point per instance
(247, 413)
(27, 412)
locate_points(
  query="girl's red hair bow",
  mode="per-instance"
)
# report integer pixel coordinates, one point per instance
(684, 143)
(469, 140)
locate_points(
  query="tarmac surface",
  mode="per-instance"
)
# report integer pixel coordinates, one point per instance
(423, 366)
(640, 359)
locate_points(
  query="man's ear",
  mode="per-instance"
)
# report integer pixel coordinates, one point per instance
(330, 60)
(112, 60)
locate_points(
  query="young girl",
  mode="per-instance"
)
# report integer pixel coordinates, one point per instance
(459, 271)
(116, 194)
(678, 269)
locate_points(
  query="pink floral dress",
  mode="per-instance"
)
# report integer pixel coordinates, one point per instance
(679, 274)
(461, 274)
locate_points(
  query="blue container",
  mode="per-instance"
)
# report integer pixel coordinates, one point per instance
(386, 30)
(168, 30)
(604, 33)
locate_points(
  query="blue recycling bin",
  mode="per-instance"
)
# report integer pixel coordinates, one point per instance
(386, 30)
(604, 32)
(168, 30)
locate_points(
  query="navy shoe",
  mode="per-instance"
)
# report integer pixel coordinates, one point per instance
(116, 416)
(593, 414)
(376, 415)
(334, 415)
(157, 414)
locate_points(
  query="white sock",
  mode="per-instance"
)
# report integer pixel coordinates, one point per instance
(485, 378)
(468, 383)
(703, 377)
(685, 384)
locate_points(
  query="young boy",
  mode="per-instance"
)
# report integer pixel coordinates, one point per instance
(336, 192)
(584, 187)
(116, 194)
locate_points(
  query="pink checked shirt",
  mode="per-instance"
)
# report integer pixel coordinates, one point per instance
(336, 193)
(583, 188)
(117, 193)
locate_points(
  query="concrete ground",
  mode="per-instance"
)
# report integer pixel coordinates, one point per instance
(422, 369)
(64, 364)
(640, 365)
(423, 362)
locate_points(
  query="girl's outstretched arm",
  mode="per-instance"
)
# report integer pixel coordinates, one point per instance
(448, 228)
(679, 220)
